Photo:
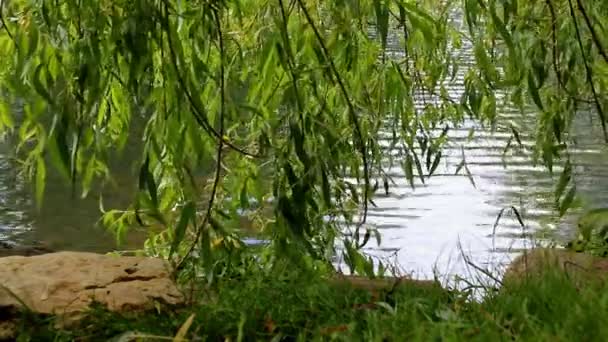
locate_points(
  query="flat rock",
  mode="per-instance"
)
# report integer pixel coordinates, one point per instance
(68, 282)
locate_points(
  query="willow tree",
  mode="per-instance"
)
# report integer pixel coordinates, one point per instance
(263, 106)
(268, 106)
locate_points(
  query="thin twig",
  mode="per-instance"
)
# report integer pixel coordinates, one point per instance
(218, 167)
(199, 116)
(290, 60)
(594, 35)
(8, 32)
(589, 74)
(555, 58)
(554, 43)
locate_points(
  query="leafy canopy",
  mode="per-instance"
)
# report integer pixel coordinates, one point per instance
(281, 108)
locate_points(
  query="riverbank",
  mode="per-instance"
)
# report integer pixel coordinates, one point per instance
(283, 304)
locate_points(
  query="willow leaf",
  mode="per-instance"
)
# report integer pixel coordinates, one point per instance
(187, 215)
(40, 180)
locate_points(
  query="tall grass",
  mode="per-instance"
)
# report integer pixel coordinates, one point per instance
(288, 305)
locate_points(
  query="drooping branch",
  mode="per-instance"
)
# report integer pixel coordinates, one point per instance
(198, 112)
(588, 72)
(359, 139)
(555, 58)
(594, 35)
(218, 166)
(290, 58)
(3, 22)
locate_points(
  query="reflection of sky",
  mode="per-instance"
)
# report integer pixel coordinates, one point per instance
(427, 228)
(444, 214)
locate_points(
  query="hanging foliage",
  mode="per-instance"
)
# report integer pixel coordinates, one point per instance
(276, 106)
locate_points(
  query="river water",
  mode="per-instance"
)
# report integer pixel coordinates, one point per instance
(448, 226)
(433, 227)
(424, 230)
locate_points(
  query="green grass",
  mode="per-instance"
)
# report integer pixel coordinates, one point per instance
(291, 306)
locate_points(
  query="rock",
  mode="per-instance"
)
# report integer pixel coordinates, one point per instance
(580, 267)
(69, 282)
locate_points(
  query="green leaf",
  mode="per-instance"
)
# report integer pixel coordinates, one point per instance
(567, 202)
(74, 157)
(224, 214)
(408, 168)
(33, 41)
(377, 236)
(40, 180)
(353, 191)
(146, 182)
(564, 180)
(484, 62)
(6, 119)
(557, 128)
(216, 225)
(502, 30)
(469, 175)
(366, 237)
(547, 155)
(45, 14)
(420, 20)
(187, 215)
(57, 152)
(534, 92)
(435, 163)
(243, 196)
(39, 87)
(381, 21)
(87, 178)
(325, 188)
(516, 135)
(386, 186)
(418, 167)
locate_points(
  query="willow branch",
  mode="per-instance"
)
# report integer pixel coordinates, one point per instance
(8, 32)
(290, 60)
(218, 166)
(554, 43)
(594, 35)
(588, 72)
(199, 116)
(359, 140)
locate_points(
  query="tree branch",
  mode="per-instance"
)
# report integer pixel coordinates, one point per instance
(589, 72)
(199, 116)
(594, 35)
(218, 166)
(359, 140)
